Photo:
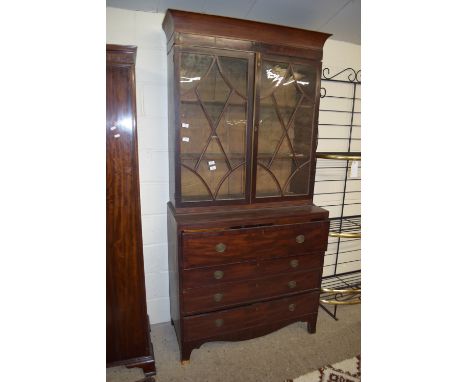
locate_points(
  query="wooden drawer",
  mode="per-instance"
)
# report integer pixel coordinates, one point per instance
(224, 247)
(198, 277)
(229, 294)
(212, 324)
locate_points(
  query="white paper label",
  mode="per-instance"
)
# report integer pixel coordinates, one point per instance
(212, 168)
(354, 169)
(211, 163)
(186, 125)
(185, 139)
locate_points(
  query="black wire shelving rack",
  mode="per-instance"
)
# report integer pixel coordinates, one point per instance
(338, 189)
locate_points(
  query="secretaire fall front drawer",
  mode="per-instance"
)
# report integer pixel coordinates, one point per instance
(230, 246)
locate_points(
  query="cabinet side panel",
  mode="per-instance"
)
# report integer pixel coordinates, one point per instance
(173, 263)
(126, 321)
(171, 124)
(315, 130)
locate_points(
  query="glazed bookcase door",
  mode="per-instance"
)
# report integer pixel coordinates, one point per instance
(288, 93)
(215, 115)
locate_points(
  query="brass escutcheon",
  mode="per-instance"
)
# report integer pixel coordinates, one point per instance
(220, 247)
(219, 322)
(292, 284)
(300, 239)
(292, 307)
(294, 263)
(218, 275)
(218, 297)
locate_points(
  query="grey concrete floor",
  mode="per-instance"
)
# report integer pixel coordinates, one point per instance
(287, 353)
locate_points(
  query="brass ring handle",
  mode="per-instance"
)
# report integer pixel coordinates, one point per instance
(339, 156)
(292, 307)
(294, 263)
(218, 297)
(292, 284)
(219, 322)
(220, 247)
(345, 235)
(300, 239)
(218, 275)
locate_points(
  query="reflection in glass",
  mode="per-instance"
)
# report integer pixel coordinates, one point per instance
(193, 67)
(305, 77)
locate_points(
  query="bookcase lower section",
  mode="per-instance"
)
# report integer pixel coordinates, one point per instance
(233, 282)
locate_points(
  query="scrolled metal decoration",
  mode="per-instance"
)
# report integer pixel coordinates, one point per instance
(353, 76)
(341, 296)
(323, 92)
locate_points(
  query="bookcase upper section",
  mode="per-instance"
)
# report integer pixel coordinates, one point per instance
(243, 110)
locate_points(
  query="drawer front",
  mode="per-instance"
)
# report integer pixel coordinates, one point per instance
(228, 294)
(293, 263)
(198, 277)
(212, 324)
(224, 247)
(193, 278)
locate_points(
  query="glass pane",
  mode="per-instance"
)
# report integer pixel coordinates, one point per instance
(195, 130)
(305, 77)
(299, 181)
(300, 132)
(266, 183)
(235, 72)
(232, 128)
(287, 97)
(213, 92)
(273, 75)
(213, 114)
(270, 131)
(193, 187)
(193, 67)
(233, 186)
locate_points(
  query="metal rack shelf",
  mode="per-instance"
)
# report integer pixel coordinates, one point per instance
(337, 187)
(339, 155)
(348, 227)
(343, 289)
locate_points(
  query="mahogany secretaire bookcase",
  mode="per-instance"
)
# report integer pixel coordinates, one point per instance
(246, 243)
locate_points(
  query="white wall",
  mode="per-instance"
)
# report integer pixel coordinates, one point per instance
(340, 54)
(144, 30)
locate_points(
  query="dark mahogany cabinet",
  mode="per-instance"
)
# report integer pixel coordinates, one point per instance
(246, 243)
(127, 326)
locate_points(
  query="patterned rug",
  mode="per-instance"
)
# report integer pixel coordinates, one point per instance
(348, 370)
